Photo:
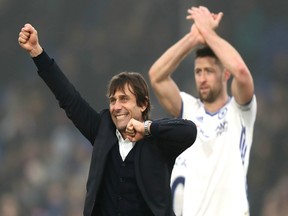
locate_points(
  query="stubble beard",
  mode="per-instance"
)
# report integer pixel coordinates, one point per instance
(210, 97)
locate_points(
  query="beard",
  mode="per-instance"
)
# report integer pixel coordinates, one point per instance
(210, 96)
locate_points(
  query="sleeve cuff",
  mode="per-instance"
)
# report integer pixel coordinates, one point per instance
(42, 61)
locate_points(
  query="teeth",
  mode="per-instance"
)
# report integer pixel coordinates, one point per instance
(120, 116)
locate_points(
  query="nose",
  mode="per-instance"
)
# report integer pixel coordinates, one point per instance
(116, 105)
(202, 77)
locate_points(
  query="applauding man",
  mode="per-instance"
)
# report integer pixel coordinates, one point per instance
(216, 165)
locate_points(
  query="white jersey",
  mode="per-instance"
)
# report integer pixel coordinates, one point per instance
(215, 166)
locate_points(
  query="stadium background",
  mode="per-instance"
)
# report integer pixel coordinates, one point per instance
(43, 158)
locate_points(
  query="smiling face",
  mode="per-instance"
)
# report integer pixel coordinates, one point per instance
(123, 107)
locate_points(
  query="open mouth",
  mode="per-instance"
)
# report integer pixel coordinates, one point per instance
(121, 116)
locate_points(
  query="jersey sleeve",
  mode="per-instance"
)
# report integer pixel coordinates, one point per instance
(248, 112)
(189, 104)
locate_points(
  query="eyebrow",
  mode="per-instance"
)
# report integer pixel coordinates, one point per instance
(122, 95)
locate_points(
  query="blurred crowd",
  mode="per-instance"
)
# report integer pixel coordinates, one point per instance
(44, 159)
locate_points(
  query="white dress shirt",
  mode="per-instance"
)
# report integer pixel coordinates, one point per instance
(125, 146)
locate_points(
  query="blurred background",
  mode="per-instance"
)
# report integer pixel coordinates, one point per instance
(44, 160)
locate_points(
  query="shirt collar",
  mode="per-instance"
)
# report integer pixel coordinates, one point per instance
(120, 138)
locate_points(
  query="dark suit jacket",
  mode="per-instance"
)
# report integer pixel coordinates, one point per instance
(155, 155)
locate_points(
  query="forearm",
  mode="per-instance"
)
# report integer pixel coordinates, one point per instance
(171, 59)
(242, 85)
(163, 85)
(227, 54)
(69, 99)
(174, 130)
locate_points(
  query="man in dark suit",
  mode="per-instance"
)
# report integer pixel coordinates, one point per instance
(132, 157)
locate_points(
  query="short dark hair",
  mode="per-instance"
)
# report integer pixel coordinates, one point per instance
(138, 85)
(206, 51)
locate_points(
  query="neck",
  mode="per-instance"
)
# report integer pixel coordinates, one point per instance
(216, 105)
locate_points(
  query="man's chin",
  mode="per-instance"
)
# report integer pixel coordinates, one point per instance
(203, 97)
(121, 127)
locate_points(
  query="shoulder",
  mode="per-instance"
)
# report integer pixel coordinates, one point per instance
(189, 104)
(250, 106)
(105, 115)
(246, 112)
(186, 96)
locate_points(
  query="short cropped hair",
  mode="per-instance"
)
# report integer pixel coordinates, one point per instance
(206, 51)
(136, 84)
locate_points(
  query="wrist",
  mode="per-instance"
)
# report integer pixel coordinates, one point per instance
(147, 124)
(194, 39)
(36, 51)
